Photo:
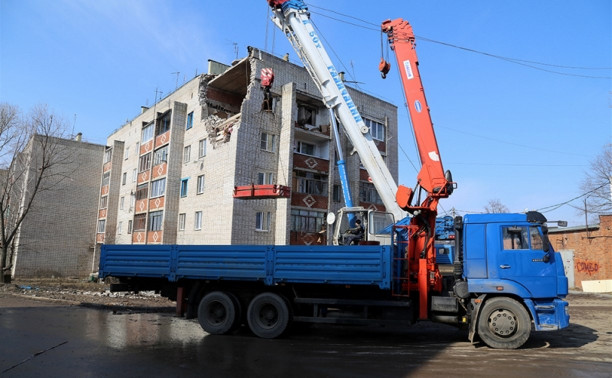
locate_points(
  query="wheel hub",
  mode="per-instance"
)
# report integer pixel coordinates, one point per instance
(503, 323)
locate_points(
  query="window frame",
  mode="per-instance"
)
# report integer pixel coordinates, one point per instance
(197, 221)
(189, 123)
(201, 181)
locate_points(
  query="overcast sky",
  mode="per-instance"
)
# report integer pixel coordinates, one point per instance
(519, 91)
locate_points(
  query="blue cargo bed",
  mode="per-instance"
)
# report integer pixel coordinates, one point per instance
(271, 264)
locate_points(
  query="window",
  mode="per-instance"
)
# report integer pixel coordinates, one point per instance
(311, 183)
(189, 121)
(140, 222)
(124, 178)
(265, 178)
(160, 156)
(307, 220)
(103, 202)
(126, 153)
(163, 123)
(108, 154)
(515, 237)
(202, 148)
(129, 230)
(307, 115)
(142, 192)
(134, 175)
(106, 179)
(155, 220)
(187, 154)
(268, 142)
(262, 221)
(147, 133)
(101, 225)
(377, 129)
(368, 193)
(198, 220)
(522, 237)
(182, 218)
(145, 163)
(119, 227)
(121, 203)
(536, 239)
(158, 188)
(200, 184)
(184, 187)
(305, 148)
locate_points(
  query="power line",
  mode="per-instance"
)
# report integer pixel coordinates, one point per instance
(556, 206)
(523, 62)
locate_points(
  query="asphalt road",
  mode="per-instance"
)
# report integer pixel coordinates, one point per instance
(39, 338)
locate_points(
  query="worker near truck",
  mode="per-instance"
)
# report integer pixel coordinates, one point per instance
(354, 234)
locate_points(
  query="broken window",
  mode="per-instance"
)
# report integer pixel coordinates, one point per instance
(163, 123)
(307, 115)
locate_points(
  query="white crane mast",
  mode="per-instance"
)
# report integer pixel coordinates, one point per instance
(293, 18)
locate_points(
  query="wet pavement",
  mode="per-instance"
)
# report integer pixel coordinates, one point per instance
(49, 339)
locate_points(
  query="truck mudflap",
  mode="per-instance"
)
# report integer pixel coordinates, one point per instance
(476, 305)
(547, 314)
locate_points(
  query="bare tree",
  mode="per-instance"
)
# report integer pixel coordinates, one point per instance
(30, 162)
(495, 206)
(597, 184)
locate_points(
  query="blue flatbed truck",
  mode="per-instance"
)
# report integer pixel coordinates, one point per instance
(507, 281)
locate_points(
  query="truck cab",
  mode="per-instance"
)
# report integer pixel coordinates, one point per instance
(507, 260)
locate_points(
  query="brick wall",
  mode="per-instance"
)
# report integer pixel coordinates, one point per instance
(592, 249)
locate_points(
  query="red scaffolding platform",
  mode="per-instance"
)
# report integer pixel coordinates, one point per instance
(262, 191)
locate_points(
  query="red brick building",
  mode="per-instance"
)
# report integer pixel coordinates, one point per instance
(592, 253)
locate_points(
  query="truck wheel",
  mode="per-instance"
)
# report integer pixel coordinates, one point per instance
(504, 323)
(268, 315)
(218, 313)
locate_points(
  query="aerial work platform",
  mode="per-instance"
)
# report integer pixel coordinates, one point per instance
(262, 191)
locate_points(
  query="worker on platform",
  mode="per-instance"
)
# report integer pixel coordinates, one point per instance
(355, 234)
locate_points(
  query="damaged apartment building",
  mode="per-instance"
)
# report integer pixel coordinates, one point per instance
(170, 174)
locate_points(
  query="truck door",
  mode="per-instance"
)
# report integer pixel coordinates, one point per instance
(522, 259)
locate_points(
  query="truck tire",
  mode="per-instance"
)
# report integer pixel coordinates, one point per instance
(268, 315)
(504, 323)
(218, 313)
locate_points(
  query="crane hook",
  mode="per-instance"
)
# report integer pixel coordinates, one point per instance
(384, 67)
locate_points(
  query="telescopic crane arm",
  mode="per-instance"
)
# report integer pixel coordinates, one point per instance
(431, 177)
(420, 252)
